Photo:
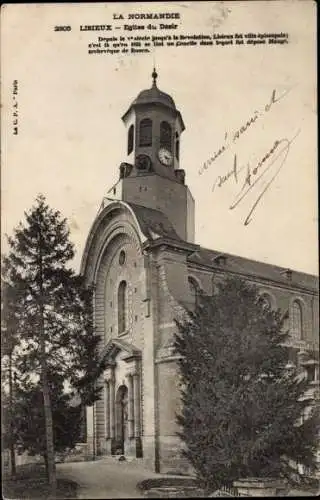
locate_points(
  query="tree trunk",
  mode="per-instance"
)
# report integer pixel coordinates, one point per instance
(45, 459)
(12, 450)
(51, 470)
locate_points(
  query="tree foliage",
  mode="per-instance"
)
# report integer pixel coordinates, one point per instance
(241, 407)
(56, 346)
(30, 425)
(9, 319)
(9, 342)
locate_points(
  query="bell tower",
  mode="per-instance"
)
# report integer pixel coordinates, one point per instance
(151, 175)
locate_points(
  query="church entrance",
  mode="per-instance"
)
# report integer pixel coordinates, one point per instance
(122, 401)
(121, 419)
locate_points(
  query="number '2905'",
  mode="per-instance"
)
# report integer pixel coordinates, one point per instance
(62, 28)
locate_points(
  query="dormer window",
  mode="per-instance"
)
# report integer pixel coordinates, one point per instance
(220, 259)
(145, 132)
(287, 273)
(165, 136)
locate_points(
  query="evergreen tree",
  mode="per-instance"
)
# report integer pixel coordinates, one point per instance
(9, 342)
(55, 326)
(29, 425)
(241, 407)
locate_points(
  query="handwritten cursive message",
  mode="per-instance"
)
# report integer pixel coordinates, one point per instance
(232, 138)
(265, 170)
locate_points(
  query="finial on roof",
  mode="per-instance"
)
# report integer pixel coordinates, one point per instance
(154, 76)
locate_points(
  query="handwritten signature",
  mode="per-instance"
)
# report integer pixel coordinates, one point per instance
(230, 139)
(276, 155)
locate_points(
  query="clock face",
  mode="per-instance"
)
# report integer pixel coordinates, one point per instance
(165, 157)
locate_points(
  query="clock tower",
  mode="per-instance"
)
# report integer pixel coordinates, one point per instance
(151, 175)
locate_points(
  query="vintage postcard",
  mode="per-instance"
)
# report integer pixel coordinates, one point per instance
(243, 76)
(179, 139)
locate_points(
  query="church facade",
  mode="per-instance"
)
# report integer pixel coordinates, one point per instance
(146, 270)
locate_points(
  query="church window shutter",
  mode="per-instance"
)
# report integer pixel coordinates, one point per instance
(165, 135)
(177, 149)
(145, 132)
(130, 139)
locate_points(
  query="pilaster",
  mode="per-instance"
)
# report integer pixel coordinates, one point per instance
(110, 409)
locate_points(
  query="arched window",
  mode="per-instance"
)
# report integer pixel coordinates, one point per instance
(145, 132)
(122, 307)
(194, 290)
(177, 149)
(165, 136)
(130, 139)
(265, 300)
(297, 320)
(122, 257)
(285, 322)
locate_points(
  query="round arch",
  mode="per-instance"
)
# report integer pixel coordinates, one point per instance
(297, 317)
(116, 217)
(267, 295)
(194, 288)
(195, 281)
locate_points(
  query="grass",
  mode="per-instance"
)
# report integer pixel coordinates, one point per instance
(30, 482)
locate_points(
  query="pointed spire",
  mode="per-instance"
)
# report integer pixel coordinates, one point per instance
(154, 77)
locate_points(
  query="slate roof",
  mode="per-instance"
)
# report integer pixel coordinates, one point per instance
(156, 226)
(210, 258)
(154, 223)
(154, 96)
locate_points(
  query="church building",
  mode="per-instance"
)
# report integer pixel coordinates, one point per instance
(146, 270)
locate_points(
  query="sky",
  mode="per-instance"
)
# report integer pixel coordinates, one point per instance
(71, 139)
